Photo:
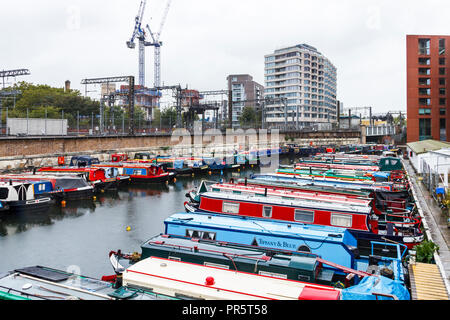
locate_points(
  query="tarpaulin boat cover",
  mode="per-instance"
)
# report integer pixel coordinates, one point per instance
(383, 196)
(381, 176)
(70, 183)
(369, 285)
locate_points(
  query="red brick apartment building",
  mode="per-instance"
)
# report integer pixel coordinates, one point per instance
(428, 87)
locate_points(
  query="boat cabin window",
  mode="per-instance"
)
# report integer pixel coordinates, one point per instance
(200, 234)
(304, 215)
(230, 207)
(273, 274)
(4, 193)
(174, 258)
(215, 265)
(304, 248)
(267, 212)
(341, 220)
(137, 172)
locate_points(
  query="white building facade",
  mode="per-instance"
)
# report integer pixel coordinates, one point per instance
(306, 81)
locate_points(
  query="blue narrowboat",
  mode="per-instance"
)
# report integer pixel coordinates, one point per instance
(330, 243)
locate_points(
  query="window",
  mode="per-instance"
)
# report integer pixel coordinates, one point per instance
(272, 274)
(442, 81)
(424, 111)
(304, 215)
(424, 101)
(442, 61)
(424, 46)
(442, 111)
(441, 46)
(4, 193)
(424, 129)
(441, 71)
(424, 71)
(424, 61)
(442, 91)
(200, 234)
(424, 81)
(216, 265)
(230, 207)
(442, 101)
(424, 91)
(341, 220)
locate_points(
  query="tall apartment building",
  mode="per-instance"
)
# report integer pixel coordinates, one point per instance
(244, 92)
(307, 80)
(428, 114)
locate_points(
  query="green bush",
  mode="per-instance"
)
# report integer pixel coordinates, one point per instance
(425, 251)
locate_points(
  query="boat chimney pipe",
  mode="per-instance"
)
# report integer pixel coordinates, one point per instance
(245, 181)
(265, 192)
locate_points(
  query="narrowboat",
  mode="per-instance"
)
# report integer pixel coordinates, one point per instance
(44, 283)
(143, 156)
(119, 157)
(96, 176)
(383, 164)
(171, 164)
(177, 278)
(330, 243)
(41, 187)
(315, 164)
(345, 175)
(315, 181)
(145, 173)
(20, 198)
(215, 163)
(360, 220)
(83, 161)
(197, 165)
(292, 265)
(397, 203)
(277, 263)
(64, 187)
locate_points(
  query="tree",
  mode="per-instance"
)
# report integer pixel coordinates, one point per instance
(248, 117)
(38, 98)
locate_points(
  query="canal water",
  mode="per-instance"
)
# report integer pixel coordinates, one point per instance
(79, 237)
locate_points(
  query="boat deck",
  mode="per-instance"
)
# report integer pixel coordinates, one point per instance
(427, 282)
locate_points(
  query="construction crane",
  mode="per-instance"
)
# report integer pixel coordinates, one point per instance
(139, 34)
(157, 44)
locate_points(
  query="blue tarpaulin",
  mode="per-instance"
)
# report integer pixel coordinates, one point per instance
(381, 175)
(369, 285)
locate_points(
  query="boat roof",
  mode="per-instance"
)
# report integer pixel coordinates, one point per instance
(307, 180)
(281, 201)
(163, 275)
(212, 247)
(42, 283)
(319, 188)
(292, 193)
(269, 227)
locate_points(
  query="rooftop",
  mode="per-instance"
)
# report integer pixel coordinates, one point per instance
(427, 145)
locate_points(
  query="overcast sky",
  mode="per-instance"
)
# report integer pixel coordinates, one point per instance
(206, 40)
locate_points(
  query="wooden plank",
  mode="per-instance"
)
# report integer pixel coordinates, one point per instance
(427, 282)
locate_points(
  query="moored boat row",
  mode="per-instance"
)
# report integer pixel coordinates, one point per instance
(309, 232)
